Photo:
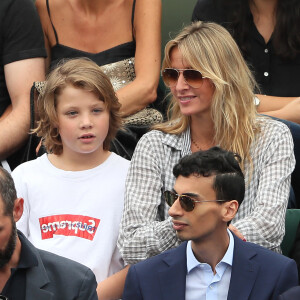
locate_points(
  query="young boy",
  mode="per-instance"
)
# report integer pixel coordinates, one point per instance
(73, 196)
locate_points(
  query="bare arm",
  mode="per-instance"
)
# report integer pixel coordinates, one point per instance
(6, 112)
(142, 91)
(112, 287)
(19, 77)
(287, 108)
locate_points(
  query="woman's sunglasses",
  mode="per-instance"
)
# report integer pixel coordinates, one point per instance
(192, 77)
(186, 202)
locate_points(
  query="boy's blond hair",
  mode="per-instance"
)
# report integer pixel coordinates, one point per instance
(79, 73)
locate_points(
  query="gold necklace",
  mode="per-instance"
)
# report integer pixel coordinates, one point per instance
(196, 145)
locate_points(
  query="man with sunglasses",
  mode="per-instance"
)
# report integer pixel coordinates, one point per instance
(212, 263)
(27, 273)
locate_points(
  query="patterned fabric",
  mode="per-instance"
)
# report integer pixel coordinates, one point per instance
(120, 74)
(146, 228)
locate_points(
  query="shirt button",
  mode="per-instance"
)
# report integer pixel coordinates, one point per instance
(266, 74)
(211, 287)
(266, 50)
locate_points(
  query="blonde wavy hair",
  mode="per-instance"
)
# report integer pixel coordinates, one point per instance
(80, 73)
(209, 48)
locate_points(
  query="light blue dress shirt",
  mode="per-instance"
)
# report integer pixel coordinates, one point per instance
(201, 282)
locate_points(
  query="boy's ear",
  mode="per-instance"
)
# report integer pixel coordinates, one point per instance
(230, 209)
(18, 209)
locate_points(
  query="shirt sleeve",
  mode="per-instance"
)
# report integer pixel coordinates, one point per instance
(265, 224)
(22, 32)
(142, 232)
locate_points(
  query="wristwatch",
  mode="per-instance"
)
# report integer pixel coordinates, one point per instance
(256, 101)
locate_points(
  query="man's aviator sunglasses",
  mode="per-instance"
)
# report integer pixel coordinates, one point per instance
(186, 202)
(192, 77)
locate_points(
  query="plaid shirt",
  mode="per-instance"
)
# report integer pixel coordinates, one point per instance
(146, 229)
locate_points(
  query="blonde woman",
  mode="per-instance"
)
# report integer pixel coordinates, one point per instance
(212, 104)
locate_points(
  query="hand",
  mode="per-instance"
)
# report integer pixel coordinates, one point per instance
(236, 232)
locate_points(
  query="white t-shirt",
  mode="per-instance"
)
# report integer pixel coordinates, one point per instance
(74, 214)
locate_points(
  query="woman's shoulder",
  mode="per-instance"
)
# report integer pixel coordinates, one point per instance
(42, 4)
(41, 7)
(56, 7)
(273, 131)
(269, 125)
(159, 143)
(155, 136)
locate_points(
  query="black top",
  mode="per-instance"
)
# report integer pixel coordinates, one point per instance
(275, 76)
(21, 37)
(117, 53)
(15, 287)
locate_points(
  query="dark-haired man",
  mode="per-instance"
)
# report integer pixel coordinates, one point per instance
(28, 273)
(213, 263)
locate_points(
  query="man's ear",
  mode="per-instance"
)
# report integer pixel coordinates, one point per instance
(230, 209)
(18, 209)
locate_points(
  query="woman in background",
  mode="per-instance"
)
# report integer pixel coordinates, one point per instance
(267, 33)
(123, 36)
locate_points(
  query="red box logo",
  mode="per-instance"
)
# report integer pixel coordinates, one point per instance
(69, 225)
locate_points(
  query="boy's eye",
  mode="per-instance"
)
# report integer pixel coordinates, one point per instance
(71, 113)
(97, 110)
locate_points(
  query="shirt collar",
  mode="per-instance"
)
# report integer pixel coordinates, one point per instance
(192, 261)
(28, 258)
(180, 141)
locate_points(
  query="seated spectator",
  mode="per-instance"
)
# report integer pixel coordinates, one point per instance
(22, 62)
(29, 273)
(74, 194)
(268, 36)
(123, 37)
(212, 104)
(213, 263)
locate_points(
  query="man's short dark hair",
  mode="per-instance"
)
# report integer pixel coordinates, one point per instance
(7, 192)
(229, 181)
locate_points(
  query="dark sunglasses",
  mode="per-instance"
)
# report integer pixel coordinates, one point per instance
(192, 77)
(186, 202)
